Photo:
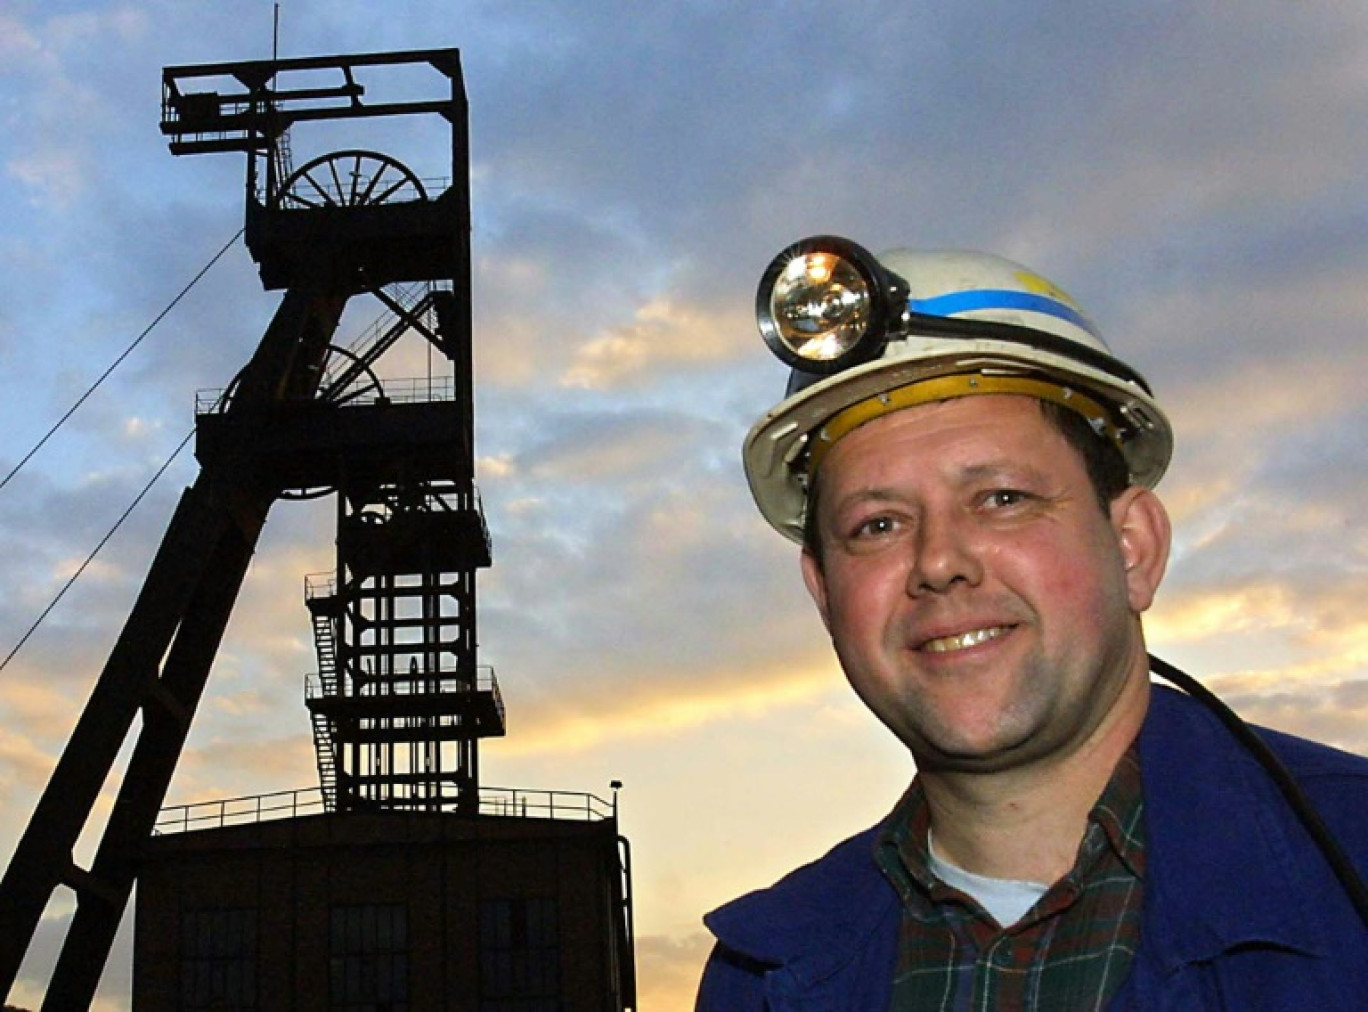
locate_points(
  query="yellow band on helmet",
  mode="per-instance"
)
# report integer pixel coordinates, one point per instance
(944, 388)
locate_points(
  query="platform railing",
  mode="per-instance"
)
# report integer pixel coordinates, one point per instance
(544, 804)
(418, 684)
(239, 811)
(403, 390)
(505, 802)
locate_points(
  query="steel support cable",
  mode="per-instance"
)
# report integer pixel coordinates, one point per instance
(96, 551)
(119, 361)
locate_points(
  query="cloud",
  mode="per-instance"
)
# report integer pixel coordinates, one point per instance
(248, 764)
(1206, 613)
(1336, 714)
(24, 767)
(662, 336)
(668, 970)
(115, 982)
(550, 726)
(55, 178)
(51, 64)
(599, 583)
(17, 42)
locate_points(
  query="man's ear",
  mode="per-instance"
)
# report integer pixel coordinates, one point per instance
(815, 579)
(1143, 534)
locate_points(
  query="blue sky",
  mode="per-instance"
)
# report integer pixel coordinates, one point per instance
(1191, 173)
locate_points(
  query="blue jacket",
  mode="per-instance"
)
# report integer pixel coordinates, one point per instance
(1241, 911)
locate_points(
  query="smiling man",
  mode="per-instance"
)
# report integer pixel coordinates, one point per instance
(969, 472)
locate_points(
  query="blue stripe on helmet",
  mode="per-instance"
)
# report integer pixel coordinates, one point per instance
(955, 303)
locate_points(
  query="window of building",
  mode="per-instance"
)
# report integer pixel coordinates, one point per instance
(218, 959)
(520, 956)
(369, 958)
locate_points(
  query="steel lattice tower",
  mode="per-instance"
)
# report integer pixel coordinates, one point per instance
(399, 702)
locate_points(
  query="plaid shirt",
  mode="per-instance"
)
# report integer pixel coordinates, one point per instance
(1070, 951)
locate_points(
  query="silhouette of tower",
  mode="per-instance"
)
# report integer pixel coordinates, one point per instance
(401, 882)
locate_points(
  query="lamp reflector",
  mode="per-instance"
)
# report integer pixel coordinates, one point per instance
(820, 306)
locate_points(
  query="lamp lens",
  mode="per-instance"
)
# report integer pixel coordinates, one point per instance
(820, 305)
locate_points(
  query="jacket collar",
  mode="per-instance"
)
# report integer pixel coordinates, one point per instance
(1221, 844)
(815, 919)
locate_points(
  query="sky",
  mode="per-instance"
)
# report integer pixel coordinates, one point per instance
(1193, 174)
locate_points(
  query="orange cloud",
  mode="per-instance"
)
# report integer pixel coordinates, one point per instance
(633, 712)
(668, 970)
(662, 332)
(1204, 613)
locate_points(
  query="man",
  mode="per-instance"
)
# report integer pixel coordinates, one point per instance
(970, 473)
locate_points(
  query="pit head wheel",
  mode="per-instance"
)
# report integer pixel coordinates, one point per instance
(349, 179)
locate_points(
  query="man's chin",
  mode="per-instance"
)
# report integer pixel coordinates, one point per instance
(961, 753)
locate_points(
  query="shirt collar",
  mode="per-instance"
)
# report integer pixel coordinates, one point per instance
(1115, 820)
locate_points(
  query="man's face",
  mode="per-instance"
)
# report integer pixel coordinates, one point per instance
(981, 603)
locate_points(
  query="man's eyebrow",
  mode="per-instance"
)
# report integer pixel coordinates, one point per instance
(836, 507)
(868, 494)
(999, 470)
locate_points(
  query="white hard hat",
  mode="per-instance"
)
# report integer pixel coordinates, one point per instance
(869, 335)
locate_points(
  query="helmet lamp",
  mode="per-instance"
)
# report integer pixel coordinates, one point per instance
(825, 303)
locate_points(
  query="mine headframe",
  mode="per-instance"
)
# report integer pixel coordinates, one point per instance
(399, 701)
(380, 218)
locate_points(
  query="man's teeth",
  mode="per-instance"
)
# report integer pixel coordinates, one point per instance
(963, 641)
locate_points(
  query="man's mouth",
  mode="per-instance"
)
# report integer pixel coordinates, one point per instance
(964, 640)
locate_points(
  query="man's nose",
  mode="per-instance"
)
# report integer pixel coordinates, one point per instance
(945, 554)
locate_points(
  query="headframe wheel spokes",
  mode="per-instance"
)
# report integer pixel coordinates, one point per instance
(352, 178)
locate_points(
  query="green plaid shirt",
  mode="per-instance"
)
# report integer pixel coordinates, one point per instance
(1070, 951)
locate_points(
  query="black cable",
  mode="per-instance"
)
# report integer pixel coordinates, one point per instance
(1291, 790)
(91, 557)
(118, 361)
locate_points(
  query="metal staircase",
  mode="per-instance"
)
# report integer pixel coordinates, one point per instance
(348, 377)
(323, 610)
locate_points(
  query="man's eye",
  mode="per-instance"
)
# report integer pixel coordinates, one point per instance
(874, 527)
(1003, 498)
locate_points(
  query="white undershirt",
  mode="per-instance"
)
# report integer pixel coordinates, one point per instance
(1007, 899)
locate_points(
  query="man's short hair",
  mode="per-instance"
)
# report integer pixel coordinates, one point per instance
(1106, 467)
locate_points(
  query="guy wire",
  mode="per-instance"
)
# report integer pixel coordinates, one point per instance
(118, 361)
